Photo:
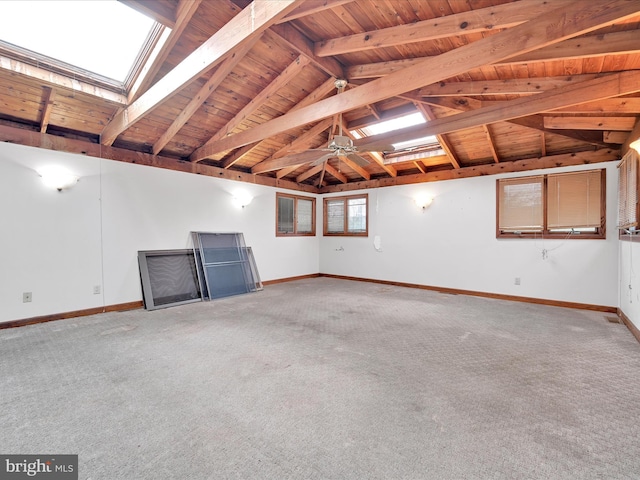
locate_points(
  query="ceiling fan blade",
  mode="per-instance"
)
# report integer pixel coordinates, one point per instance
(323, 158)
(288, 161)
(358, 160)
(377, 147)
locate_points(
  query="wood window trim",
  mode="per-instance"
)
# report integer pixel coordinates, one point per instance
(622, 233)
(345, 232)
(545, 233)
(295, 199)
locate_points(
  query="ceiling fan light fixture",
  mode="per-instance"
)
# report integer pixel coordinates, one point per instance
(635, 145)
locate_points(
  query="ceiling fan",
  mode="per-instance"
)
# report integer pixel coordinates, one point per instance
(339, 145)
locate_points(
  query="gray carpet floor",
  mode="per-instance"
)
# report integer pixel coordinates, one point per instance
(328, 379)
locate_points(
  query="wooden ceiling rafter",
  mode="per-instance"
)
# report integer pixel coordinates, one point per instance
(577, 18)
(288, 74)
(249, 23)
(610, 85)
(624, 42)
(184, 12)
(491, 18)
(48, 96)
(218, 76)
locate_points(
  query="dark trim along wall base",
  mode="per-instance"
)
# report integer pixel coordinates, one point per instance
(632, 328)
(290, 279)
(455, 291)
(121, 307)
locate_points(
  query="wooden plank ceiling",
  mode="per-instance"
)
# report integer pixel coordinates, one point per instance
(242, 90)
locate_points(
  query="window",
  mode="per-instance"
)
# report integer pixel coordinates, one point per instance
(296, 215)
(104, 50)
(346, 216)
(564, 204)
(628, 191)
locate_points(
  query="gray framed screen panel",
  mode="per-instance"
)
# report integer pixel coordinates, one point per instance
(169, 278)
(228, 265)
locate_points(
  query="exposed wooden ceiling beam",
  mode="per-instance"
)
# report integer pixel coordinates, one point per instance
(318, 94)
(185, 10)
(239, 154)
(287, 161)
(552, 27)
(196, 102)
(535, 122)
(492, 143)
(303, 141)
(442, 140)
(515, 86)
(615, 43)
(609, 105)
(310, 173)
(313, 6)
(48, 95)
(465, 23)
(580, 47)
(258, 101)
(298, 42)
(249, 23)
(335, 173)
(283, 172)
(611, 85)
(634, 135)
(159, 11)
(567, 159)
(615, 137)
(356, 168)
(590, 123)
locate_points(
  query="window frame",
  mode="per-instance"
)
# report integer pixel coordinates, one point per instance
(295, 199)
(345, 232)
(599, 234)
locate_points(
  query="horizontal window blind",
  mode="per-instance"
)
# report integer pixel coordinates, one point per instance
(574, 200)
(304, 216)
(520, 204)
(628, 190)
(335, 216)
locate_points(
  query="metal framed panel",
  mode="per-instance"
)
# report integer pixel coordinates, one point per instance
(169, 278)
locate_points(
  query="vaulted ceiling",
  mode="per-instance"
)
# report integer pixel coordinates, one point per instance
(239, 89)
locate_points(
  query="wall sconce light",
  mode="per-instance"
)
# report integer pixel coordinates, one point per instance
(423, 201)
(242, 198)
(635, 145)
(55, 176)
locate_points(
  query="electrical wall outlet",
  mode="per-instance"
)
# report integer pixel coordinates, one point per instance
(97, 289)
(517, 281)
(26, 297)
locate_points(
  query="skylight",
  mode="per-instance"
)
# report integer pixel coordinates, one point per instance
(399, 123)
(103, 37)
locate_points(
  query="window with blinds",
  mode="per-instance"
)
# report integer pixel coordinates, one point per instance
(295, 215)
(564, 204)
(574, 200)
(346, 215)
(628, 190)
(520, 204)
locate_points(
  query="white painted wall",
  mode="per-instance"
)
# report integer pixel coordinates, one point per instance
(629, 300)
(59, 245)
(453, 244)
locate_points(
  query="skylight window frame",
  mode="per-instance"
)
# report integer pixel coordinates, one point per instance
(408, 149)
(50, 64)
